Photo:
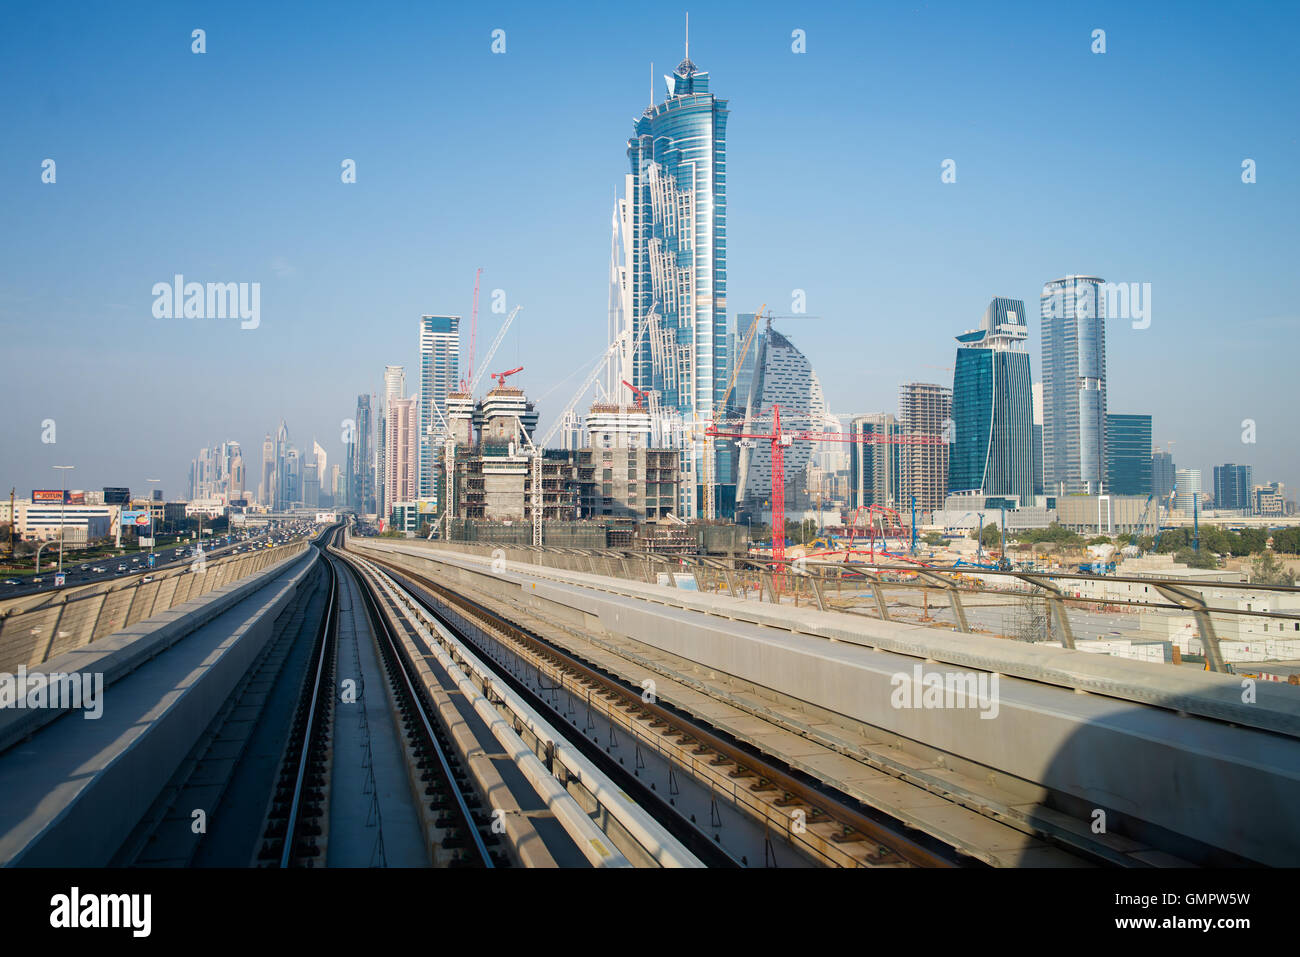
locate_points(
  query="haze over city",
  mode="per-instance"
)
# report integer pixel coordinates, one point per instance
(226, 167)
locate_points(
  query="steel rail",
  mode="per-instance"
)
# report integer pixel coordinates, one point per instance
(404, 669)
(303, 758)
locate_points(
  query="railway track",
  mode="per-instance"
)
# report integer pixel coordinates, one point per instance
(297, 828)
(787, 808)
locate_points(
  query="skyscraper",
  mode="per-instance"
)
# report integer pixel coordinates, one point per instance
(992, 449)
(783, 377)
(1189, 488)
(394, 388)
(236, 479)
(1232, 487)
(1037, 393)
(1128, 454)
(337, 486)
(310, 483)
(280, 490)
(923, 408)
(293, 472)
(266, 486)
(439, 375)
(361, 487)
(1162, 473)
(875, 467)
(677, 267)
(1074, 385)
(401, 421)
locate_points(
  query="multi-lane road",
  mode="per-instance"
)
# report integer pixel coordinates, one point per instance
(77, 572)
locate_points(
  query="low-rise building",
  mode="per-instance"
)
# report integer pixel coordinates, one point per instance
(42, 520)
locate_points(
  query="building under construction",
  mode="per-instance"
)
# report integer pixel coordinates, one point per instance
(616, 478)
(493, 463)
(618, 475)
(924, 409)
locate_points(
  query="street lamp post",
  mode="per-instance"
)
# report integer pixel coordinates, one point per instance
(153, 531)
(63, 501)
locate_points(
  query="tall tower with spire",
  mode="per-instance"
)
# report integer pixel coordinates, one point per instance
(677, 267)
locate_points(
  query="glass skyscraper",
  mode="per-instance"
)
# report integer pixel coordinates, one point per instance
(1128, 455)
(875, 468)
(677, 216)
(1074, 385)
(1162, 473)
(1232, 487)
(439, 376)
(992, 449)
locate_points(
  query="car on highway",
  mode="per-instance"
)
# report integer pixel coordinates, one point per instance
(121, 568)
(146, 580)
(97, 570)
(37, 581)
(12, 581)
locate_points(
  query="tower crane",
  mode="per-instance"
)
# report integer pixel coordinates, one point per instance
(502, 376)
(781, 440)
(636, 393)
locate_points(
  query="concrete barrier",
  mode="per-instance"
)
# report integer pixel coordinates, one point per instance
(73, 801)
(35, 628)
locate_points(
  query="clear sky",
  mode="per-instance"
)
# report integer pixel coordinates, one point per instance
(225, 167)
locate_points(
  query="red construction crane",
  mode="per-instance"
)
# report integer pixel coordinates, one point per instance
(779, 442)
(473, 333)
(502, 376)
(637, 393)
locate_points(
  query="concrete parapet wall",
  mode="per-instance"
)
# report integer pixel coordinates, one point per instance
(35, 628)
(74, 800)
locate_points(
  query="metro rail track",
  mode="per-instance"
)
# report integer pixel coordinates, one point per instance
(296, 823)
(834, 833)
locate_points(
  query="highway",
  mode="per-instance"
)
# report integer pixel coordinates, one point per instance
(79, 572)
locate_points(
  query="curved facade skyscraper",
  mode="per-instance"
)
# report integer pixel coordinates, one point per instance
(1074, 385)
(784, 377)
(677, 268)
(992, 407)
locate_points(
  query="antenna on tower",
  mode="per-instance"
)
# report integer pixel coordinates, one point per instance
(688, 34)
(652, 82)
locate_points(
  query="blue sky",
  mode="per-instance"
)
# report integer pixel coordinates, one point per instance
(225, 167)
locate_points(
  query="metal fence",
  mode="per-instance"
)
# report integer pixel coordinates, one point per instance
(1226, 625)
(37, 627)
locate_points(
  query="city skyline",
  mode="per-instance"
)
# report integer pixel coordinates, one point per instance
(231, 382)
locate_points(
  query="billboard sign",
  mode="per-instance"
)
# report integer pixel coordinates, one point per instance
(134, 518)
(76, 498)
(116, 495)
(47, 495)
